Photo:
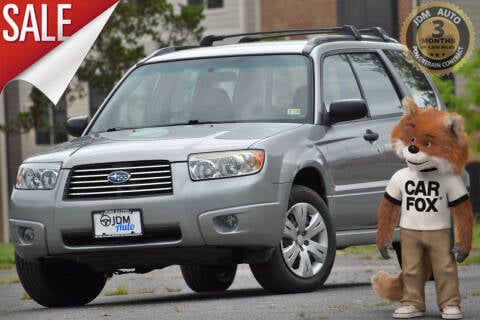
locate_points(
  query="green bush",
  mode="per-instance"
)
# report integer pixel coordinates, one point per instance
(468, 103)
(7, 259)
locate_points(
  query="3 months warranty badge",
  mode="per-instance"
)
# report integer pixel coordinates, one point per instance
(439, 37)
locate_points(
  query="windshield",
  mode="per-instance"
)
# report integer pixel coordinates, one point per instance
(273, 88)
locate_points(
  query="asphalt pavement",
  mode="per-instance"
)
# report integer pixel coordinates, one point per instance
(162, 294)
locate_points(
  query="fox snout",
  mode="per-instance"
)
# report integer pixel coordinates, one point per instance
(413, 149)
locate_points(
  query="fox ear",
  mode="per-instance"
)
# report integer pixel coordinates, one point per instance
(410, 108)
(455, 125)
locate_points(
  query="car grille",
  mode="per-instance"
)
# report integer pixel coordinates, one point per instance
(147, 178)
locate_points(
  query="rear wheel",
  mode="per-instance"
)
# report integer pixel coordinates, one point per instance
(304, 257)
(208, 278)
(59, 284)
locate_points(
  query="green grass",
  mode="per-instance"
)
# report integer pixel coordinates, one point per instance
(11, 279)
(474, 257)
(371, 251)
(366, 252)
(144, 291)
(25, 296)
(7, 260)
(121, 290)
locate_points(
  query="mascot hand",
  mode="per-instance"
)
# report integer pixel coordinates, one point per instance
(384, 250)
(459, 255)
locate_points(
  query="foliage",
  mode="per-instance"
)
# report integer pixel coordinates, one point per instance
(122, 41)
(471, 70)
(446, 87)
(134, 26)
(7, 260)
(468, 103)
(119, 46)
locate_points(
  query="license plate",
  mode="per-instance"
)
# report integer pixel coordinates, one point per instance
(117, 223)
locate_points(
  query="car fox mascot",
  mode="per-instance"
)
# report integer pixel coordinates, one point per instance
(426, 195)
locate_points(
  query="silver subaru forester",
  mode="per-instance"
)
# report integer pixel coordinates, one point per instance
(271, 153)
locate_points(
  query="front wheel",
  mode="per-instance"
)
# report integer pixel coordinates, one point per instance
(304, 257)
(59, 284)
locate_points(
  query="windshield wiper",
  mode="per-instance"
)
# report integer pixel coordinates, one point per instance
(120, 129)
(196, 121)
(191, 122)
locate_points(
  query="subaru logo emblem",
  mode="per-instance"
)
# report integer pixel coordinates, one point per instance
(118, 177)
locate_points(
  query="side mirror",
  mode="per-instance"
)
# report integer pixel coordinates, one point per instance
(346, 110)
(76, 125)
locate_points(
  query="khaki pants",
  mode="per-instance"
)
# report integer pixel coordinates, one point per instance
(437, 244)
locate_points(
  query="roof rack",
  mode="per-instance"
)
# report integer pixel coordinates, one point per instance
(263, 35)
(345, 30)
(341, 33)
(165, 50)
(378, 32)
(374, 33)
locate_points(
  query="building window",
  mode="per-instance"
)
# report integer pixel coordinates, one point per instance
(208, 4)
(50, 125)
(366, 13)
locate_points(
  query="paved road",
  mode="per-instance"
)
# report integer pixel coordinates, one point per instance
(163, 295)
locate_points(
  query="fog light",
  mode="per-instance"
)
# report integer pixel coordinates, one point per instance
(229, 222)
(28, 234)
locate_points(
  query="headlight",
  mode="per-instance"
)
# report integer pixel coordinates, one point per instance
(226, 164)
(37, 176)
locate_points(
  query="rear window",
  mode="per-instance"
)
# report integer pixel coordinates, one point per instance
(415, 80)
(380, 93)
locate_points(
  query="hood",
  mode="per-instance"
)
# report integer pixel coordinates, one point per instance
(162, 143)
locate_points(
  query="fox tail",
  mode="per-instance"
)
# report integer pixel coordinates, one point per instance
(387, 286)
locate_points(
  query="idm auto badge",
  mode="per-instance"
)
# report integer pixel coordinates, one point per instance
(439, 37)
(118, 177)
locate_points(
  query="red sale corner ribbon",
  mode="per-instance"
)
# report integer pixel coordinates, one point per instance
(44, 42)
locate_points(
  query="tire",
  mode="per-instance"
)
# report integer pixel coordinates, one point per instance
(208, 278)
(304, 257)
(59, 284)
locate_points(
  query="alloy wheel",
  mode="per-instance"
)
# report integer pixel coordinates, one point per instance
(305, 240)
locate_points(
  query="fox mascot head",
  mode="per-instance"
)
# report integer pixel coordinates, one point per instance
(430, 138)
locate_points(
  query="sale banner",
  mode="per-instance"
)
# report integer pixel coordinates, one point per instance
(44, 42)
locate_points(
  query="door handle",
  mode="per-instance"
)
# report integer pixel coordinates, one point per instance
(370, 135)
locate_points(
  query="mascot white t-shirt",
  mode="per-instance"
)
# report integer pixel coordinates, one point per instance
(425, 197)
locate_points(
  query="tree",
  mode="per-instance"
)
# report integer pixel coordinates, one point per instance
(467, 104)
(119, 46)
(134, 23)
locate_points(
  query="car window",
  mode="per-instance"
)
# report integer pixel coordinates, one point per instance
(380, 93)
(338, 80)
(415, 80)
(274, 88)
